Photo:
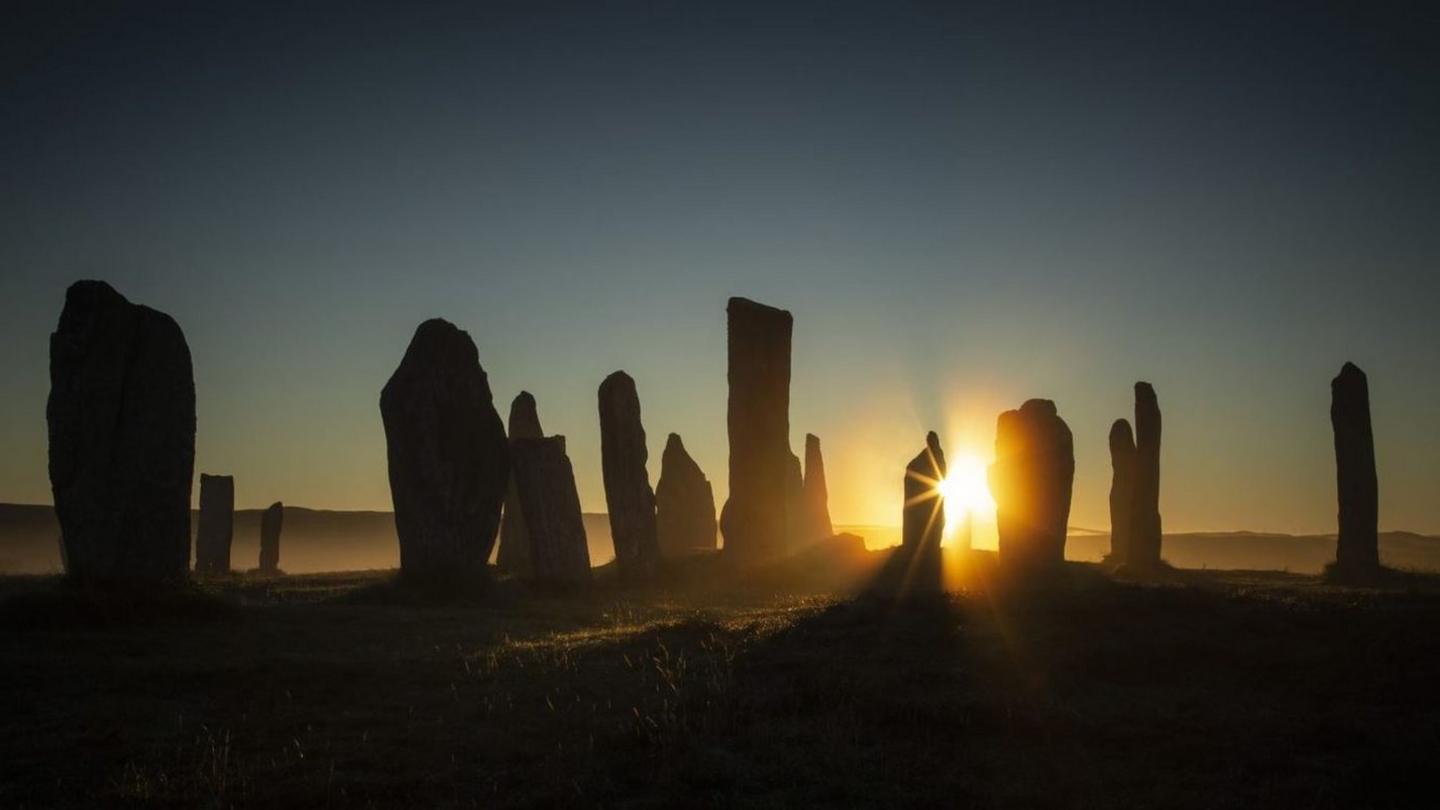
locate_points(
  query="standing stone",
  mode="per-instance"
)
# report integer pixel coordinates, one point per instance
(217, 525)
(545, 488)
(448, 456)
(1031, 480)
(121, 417)
(1122, 491)
(270, 525)
(816, 495)
(684, 503)
(755, 520)
(1357, 552)
(796, 521)
(923, 518)
(514, 554)
(628, 495)
(1145, 545)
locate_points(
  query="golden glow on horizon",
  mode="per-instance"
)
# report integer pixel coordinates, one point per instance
(966, 490)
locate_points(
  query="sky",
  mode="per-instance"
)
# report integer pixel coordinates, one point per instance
(965, 205)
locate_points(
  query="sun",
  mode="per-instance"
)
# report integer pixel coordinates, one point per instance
(966, 492)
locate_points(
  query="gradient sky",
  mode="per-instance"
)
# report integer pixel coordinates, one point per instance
(964, 205)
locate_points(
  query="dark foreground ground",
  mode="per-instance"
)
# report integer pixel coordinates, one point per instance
(1212, 690)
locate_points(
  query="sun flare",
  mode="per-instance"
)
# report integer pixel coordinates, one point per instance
(966, 491)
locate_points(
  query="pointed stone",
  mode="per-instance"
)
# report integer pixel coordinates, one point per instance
(628, 496)
(755, 520)
(1145, 547)
(1357, 553)
(684, 503)
(1122, 491)
(216, 531)
(514, 554)
(796, 520)
(121, 418)
(817, 495)
(448, 456)
(923, 518)
(270, 525)
(555, 529)
(1031, 480)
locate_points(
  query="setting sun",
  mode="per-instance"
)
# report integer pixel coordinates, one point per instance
(966, 492)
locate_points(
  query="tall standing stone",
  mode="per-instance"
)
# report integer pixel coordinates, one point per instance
(121, 417)
(796, 522)
(1145, 546)
(1031, 480)
(555, 529)
(216, 531)
(628, 496)
(270, 525)
(817, 495)
(1122, 491)
(755, 520)
(514, 554)
(684, 503)
(1357, 552)
(923, 518)
(448, 456)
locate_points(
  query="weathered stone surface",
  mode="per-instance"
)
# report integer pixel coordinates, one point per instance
(271, 524)
(514, 554)
(1145, 546)
(1031, 481)
(755, 520)
(923, 518)
(121, 417)
(816, 494)
(217, 525)
(1122, 491)
(1357, 484)
(628, 496)
(555, 528)
(448, 456)
(684, 503)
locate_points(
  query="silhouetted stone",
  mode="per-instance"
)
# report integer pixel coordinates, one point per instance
(755, 520)
(1122, 491)
(923, 518)
(1145, 546)
(270, 525)
(555, 529)
(121, 417)
(684, 503)
(217, 525)
(628, 495)
(448, 456)
(514, 554)
(1357, 553)
(816, 495)
(796, 519)
(1031, 480)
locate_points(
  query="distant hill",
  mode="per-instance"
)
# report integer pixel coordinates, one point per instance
(318, 540)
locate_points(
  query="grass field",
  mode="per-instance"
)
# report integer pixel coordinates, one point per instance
(774, 690)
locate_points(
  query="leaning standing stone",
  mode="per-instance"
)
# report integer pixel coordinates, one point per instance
(1031, 480)
(684, 503)
(555, 528)
(270, 525)
(121, 418)
(628, 495)
(816, 495)
(923, 518)
(1357, 553)
(1122, 491)
(217, 525)
(514, 554)
(755, 519)
(448, 456)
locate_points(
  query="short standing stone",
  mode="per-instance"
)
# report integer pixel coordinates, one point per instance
(684, 503)
(514, 554)
(448, 456)
(796, 521)
(923, 518)
(555, 528)
(628, 496)
(121, 417)
(1122, 491)
(1357, 553)
(217, 525)
(755, 520)
(1145, 546)
(1031, 480)
(270, 525)
(817, 496)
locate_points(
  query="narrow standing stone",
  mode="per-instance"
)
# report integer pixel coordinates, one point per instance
(270, 525)
(797, 522)
(555, 529)
(1122, 491)
(514, 554)
(817, 495)
(1031, 480)
(1145, 545)
(755, 520)
(1357, 552)
(684, 503)
(923, 518)
(448, 456)
(121, 417)
(628, 495)
(217, 525)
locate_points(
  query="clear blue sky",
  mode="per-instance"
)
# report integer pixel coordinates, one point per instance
(964, 205)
